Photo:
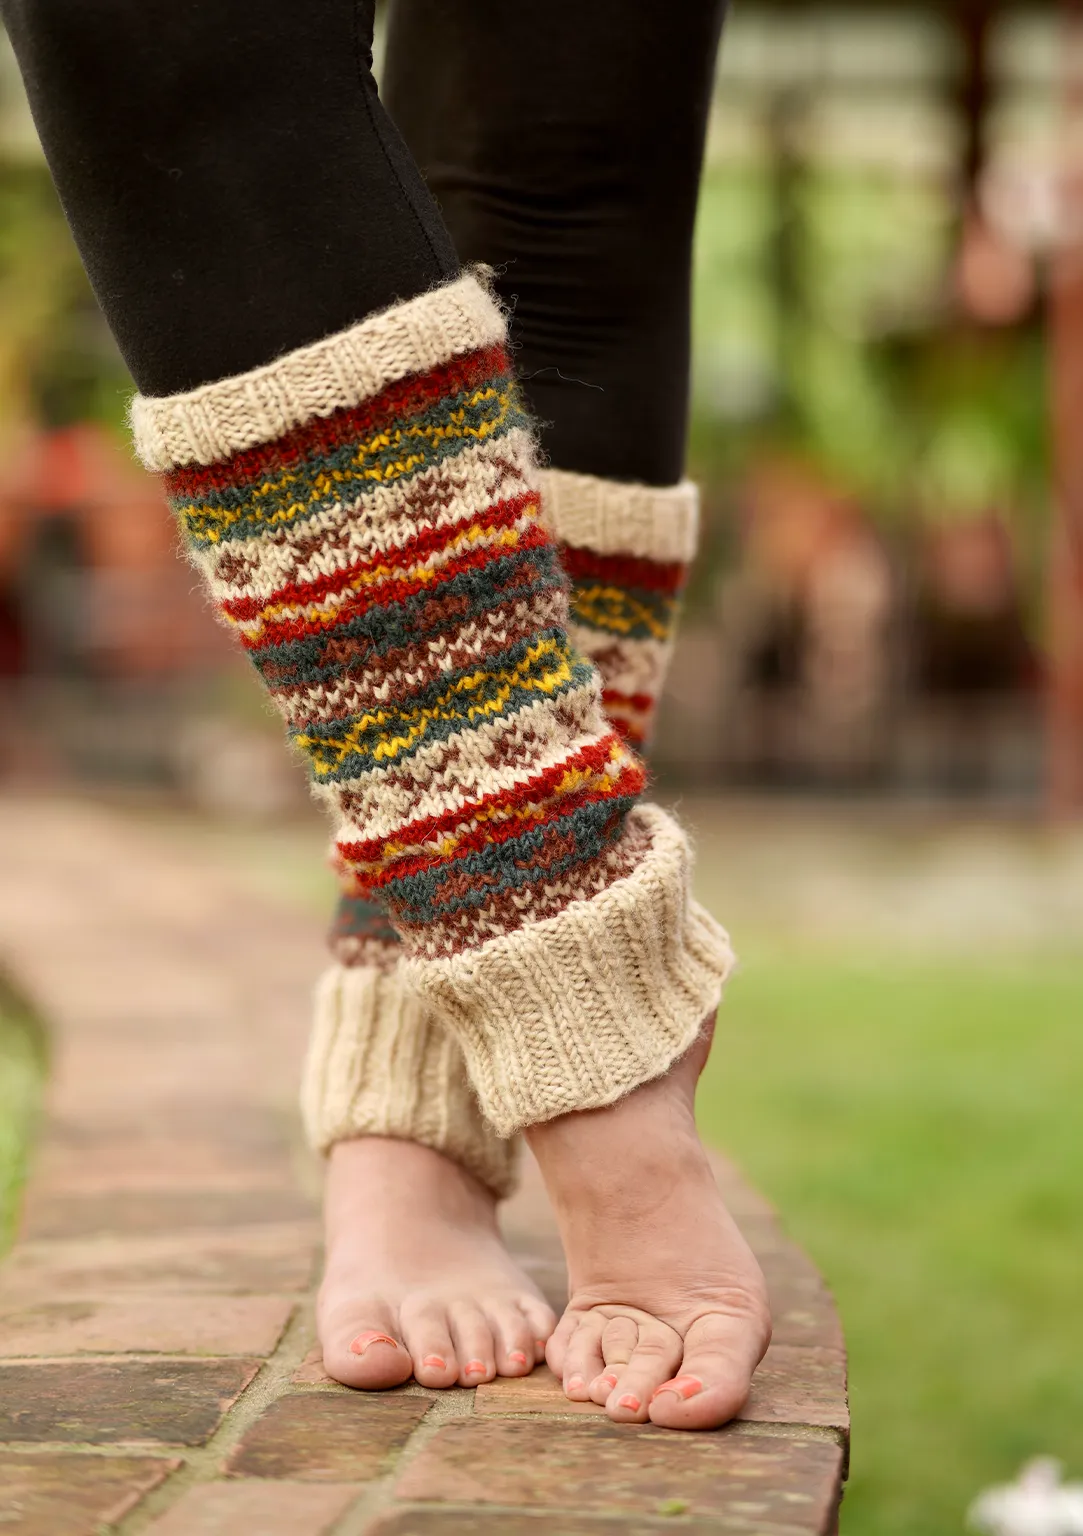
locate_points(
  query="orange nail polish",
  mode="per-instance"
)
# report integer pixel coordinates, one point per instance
(608, 1380)
(363, 1340)
(518, 1356)
(436, 1361)
(681, 1386)
(476, 1368)
(576, 1383)
(629, 1402)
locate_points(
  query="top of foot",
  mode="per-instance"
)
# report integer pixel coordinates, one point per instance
(668, 1316)
(417, 1280)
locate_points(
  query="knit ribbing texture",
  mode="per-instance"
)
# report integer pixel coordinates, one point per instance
(379, 1063)
(382, 557)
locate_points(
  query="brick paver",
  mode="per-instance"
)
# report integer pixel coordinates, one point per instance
(108, 1402)
(335, 1438)
(595, 1466)
(505, 1522)
(268, 1257)
(160, 1325)
(255, 1509)
(53, 1494)
(157, 1366)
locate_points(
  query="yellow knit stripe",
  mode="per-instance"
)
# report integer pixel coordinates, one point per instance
(447, 843)
(616, 609)
(453, 705)
(209, 522)
(425, 571)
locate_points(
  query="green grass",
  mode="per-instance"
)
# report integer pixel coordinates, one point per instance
(22, 1062)
(920, 1127)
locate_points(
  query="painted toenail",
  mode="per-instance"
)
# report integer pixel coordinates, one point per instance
(681, 1386)
(436, 1362)
(518, 1356)
(628, 1401)
(363, 1340)
(476, 1368)
(576, 1383)
(608, 1381)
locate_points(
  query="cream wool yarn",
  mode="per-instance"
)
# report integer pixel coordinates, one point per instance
(380, 1063)
(217, 420)
(645, 957)
(618, 517)
(476, 785)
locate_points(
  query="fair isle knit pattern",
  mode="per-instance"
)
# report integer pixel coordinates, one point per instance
(626, 550)
(382, 558)
(377, 1063)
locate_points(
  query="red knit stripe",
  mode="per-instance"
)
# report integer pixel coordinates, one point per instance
(389, 409)
(594, 756)
(629, 733)
(430, 541)
(628, 700)
(395, 590)
(631, 782)
(583, 564)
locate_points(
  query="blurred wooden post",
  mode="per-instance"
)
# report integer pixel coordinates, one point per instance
(973, 23)
(1065, 588)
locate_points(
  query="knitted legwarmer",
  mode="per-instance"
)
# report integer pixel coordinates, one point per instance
(365, 510)
(376, 1063)
(626, 551)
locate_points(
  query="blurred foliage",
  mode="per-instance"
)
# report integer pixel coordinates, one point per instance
(58, 363)
(825, 330)
(22, 1068)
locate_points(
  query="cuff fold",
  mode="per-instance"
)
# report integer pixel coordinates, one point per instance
(379, 1064)
(615, 517)
(575, 1011)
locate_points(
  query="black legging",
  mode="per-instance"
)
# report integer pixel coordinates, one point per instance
(237, 189)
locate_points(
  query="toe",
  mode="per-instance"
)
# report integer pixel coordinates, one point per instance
(601, 1388)
(556, 1346)
(514, 1338)
(583, 1358)
(720, 1354)
(541, 1320)
(619, 1339)
(475, 1349)
(362, 1348)
(654, 1359)
(428, 1339)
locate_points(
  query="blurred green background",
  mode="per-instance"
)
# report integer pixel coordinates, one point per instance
(855, 722)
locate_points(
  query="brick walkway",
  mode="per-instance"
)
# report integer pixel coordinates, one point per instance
(157, 1370)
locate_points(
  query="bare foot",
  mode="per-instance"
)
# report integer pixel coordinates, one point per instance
(417, 1281)
(668, 1315)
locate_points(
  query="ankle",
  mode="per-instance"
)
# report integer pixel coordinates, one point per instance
(406, 1175)
(619, 1155)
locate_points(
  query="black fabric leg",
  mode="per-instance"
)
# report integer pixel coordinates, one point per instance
(233, 183)
(564, 144)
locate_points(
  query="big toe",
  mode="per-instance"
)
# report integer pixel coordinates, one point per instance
(362, 1348)
(715, 1374)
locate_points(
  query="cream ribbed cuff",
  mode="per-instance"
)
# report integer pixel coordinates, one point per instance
(614, 517)
(210, 423)
(379, 1064)
(577, 1010)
